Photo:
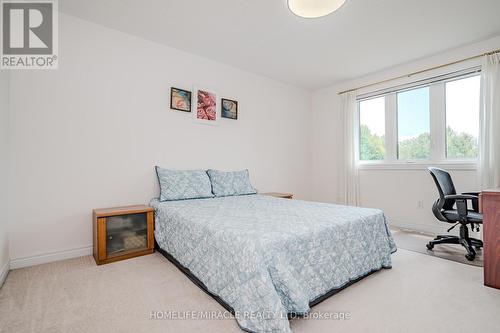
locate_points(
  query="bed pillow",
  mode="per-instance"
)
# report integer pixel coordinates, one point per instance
(183, 184)
(226, 183)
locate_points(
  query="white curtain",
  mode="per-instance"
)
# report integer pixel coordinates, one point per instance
(351, 177)
(489, 138)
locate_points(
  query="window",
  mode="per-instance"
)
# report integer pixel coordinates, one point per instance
(372, 129)
(414, 129)
(436, 121)
(462, 118)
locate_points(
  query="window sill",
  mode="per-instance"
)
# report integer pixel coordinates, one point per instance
(448, 165)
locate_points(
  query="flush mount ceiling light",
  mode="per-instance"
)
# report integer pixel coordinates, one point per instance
(314, 8)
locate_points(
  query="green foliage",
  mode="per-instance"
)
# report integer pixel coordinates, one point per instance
(415, 148)
(372, 146)
(460, 145)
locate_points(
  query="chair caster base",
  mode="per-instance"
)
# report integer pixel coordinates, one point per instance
(430, 246)
(470, 257)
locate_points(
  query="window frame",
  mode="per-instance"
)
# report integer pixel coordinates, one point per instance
(437, 105)
(412, 160)
(446, 120)
(357, 140)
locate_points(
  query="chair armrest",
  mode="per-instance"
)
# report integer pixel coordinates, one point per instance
(461, 201)
(461, 196)
(475, 202)
(472, 193)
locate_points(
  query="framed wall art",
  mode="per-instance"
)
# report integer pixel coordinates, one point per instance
(229, 109)
(207, 108)
(180, 99)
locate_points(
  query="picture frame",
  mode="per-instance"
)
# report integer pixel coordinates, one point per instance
(206, 106)
(180, 99)
(229, 109)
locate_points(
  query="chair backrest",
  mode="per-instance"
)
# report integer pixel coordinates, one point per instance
(445, 186)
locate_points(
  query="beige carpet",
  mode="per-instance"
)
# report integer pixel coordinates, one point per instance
(421, 293)
(417, 242)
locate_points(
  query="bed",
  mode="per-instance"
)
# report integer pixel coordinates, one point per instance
(265, 258)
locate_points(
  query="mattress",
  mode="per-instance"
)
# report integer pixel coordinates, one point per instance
(268, 257)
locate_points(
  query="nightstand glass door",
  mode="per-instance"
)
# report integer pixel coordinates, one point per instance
(126, 233)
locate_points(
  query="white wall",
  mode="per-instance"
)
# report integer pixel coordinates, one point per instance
(89, 134)
(395, 191)
(4, 171)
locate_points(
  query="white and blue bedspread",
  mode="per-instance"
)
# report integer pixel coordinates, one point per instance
(266, 257)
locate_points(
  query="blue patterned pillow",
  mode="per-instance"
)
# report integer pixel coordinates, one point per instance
(230, 183)
(183, 184)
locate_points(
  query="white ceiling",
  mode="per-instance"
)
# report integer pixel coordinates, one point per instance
(264, 37)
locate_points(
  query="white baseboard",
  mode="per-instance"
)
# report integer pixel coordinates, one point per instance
(4, 271)
(432, 230)
(85, 251)
(50, 257)
(427, 229)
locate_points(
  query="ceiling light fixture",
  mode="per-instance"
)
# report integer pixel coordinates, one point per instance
(314, 8)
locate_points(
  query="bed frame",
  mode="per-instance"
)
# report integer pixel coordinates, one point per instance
(226, 306)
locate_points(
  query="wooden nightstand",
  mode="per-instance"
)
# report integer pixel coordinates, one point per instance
(279, 195)
(122, 233)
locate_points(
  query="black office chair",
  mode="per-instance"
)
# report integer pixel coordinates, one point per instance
(452, 208)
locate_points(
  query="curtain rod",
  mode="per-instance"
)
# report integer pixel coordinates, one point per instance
(421, 71)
